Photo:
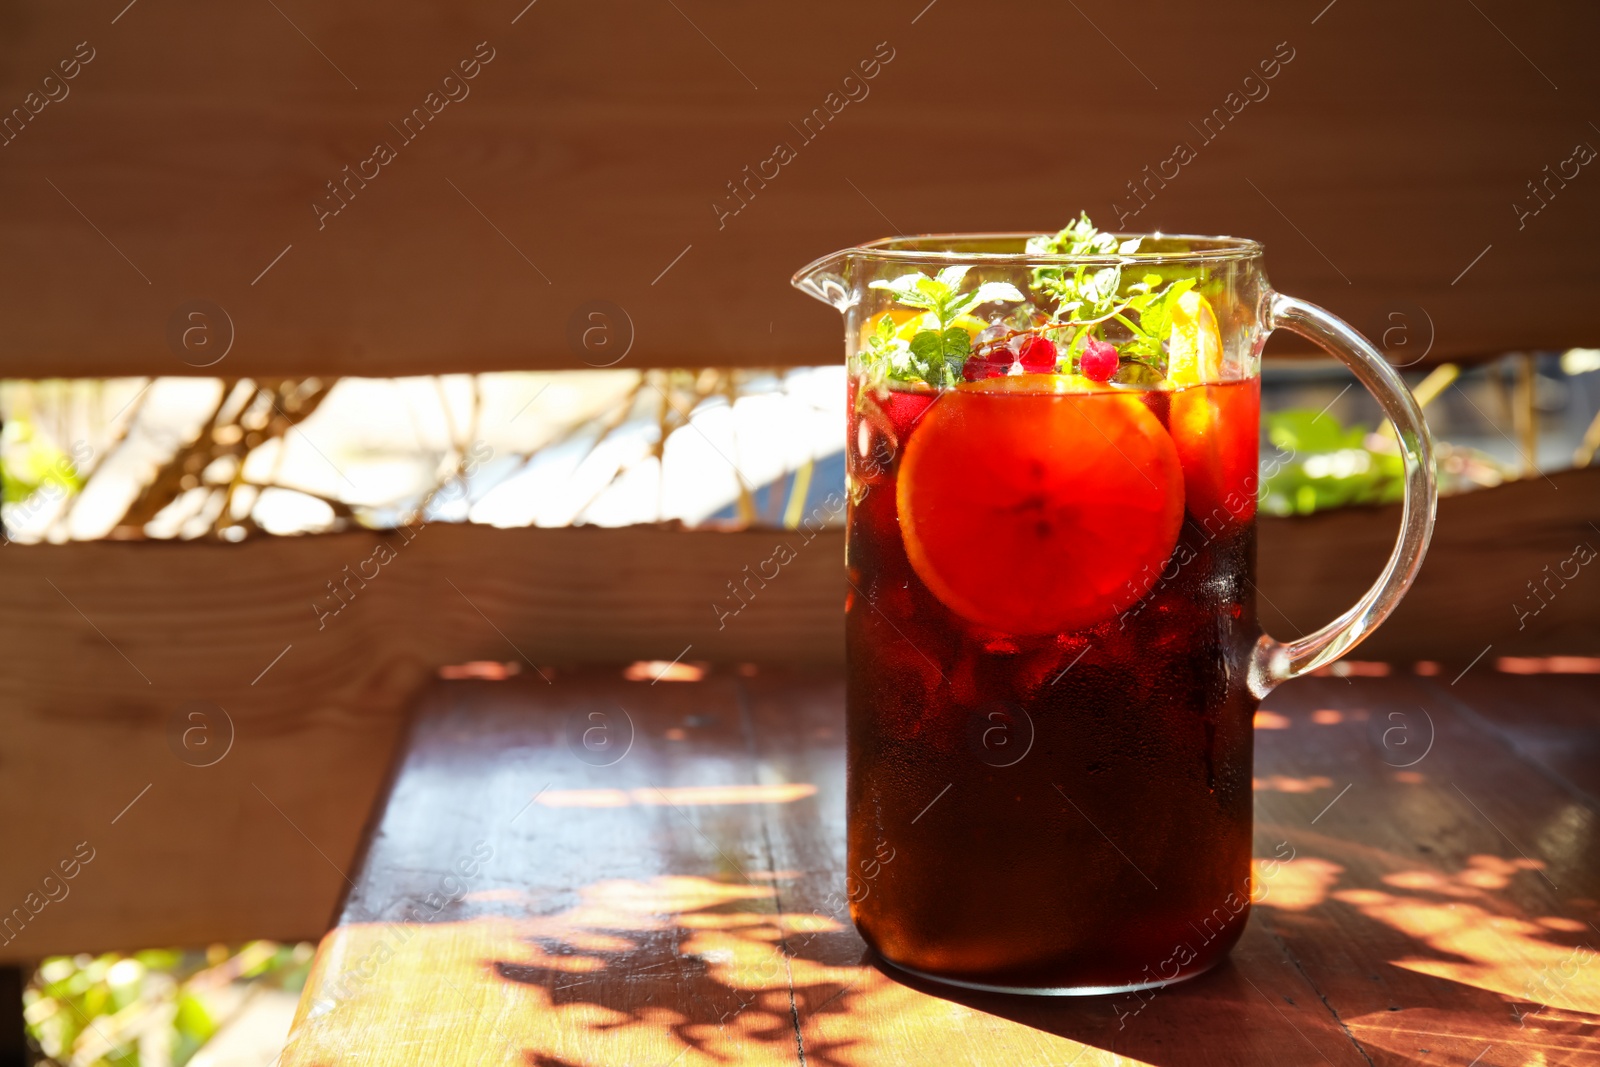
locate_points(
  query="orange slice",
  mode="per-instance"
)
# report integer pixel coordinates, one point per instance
(1036, 384)
(1217, 429)
(1036, 512)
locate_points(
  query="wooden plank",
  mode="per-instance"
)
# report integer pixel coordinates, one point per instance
(181, 854)
(591, 158)
(672, 895)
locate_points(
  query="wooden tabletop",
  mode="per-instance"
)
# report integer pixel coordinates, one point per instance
(593, 871)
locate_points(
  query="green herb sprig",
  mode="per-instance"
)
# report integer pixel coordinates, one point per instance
(936, 355)
(1077, 303)
(1088, 299)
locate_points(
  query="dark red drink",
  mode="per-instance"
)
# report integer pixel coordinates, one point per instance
(1049, 629)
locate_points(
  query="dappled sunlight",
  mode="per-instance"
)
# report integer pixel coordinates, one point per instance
(1297, 885)
(672, 970)
(681, 968)
(1283, 783)
(1548, 665)
(630, 905)
(692, 971)
(1550, 1038)
(1352, 668)
(1530, 960)
(661, 670)
(679, 796)
(480, 670)
(1428, 882)
(1534, 979)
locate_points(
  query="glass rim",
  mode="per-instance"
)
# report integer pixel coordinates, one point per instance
(1211, 249)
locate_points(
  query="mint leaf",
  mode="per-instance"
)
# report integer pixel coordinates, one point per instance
(928, 347)
(937, 351)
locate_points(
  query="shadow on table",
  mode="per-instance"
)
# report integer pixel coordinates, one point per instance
(731, 980)
(680, 971)
(1464, 970)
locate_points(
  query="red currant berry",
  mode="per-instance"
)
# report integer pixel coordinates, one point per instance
(976, 370)
(1038, 355)
(1098, 361)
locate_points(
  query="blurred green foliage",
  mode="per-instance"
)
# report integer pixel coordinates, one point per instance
(150, 1009)
(1324, 464)
(1320, 464)
(30, 462)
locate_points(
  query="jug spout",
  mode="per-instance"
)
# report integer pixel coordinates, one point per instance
(825, 280)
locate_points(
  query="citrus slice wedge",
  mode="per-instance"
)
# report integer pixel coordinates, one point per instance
(1194, 345)
(1036, 512)
(1217, 429)
(1039, 384)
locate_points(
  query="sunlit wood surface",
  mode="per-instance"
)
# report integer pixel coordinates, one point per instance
(519, 904)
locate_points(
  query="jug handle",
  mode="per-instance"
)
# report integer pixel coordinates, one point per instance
(1276, 662)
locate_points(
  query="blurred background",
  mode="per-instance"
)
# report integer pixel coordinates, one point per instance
(191, 458)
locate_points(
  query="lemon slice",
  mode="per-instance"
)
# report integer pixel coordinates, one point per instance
(1194, 347)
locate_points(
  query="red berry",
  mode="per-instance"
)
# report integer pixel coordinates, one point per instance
(978, 369)
(1098, 361)
(1038, 355)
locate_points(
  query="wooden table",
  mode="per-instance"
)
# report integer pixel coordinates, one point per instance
(669, 894)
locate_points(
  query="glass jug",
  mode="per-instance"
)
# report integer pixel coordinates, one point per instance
(1053, 654)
